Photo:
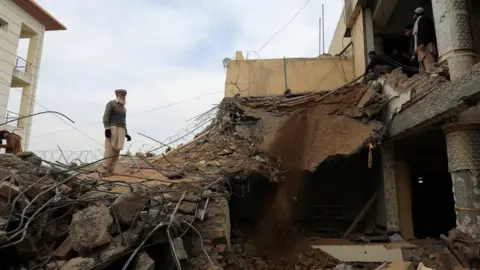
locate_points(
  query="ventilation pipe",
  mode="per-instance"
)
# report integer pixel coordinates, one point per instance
(454, 37)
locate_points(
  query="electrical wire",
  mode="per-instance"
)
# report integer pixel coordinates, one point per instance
(131, 115)
(257, 52)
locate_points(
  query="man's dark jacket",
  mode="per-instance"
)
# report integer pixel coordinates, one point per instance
(426, 31)
(376, 60)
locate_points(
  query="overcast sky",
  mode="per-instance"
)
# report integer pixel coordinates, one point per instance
(163, 52)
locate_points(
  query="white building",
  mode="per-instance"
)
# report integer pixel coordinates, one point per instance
(26, 20)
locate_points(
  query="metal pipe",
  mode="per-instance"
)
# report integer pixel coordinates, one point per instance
(319, 36)
(323, 28)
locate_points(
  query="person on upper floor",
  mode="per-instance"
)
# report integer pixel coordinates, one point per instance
(425, 43)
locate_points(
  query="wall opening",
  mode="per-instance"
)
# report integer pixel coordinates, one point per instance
(433, 210)
(335, 194)
(327, 202)
(13, 108)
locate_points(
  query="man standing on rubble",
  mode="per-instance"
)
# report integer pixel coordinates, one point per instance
(115, 124)
(425, 41)
(13, 144)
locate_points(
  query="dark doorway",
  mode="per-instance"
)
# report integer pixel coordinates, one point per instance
(433, 209)
(335, 193)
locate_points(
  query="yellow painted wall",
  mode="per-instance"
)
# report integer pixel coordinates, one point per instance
(338, 41)
(265, 77)
(358, 40)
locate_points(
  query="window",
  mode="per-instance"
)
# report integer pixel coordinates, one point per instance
(3, 24)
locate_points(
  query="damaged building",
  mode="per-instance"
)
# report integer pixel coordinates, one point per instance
(291, 174)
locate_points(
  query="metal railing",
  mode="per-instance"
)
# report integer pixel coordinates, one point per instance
(22, 65)
(9, 115)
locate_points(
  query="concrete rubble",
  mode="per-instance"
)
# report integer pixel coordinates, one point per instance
(173, 209)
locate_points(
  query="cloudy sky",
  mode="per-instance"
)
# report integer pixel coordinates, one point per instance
(166, 53)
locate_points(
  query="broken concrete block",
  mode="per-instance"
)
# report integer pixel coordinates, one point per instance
(144, 262)
(157, 202)
(35, 160)
(36, 190)
(78, 263)
(179, 249)
(9, 191)
(216, 225)
(192, 197)
(109, 254)
(3, 222)
(187, 207)
(27, 249)
(65, 250)
(152, 217)
(128, 205)
(90, 228)
(55, 265)
(99, 196)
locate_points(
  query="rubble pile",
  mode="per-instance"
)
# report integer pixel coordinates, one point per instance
(55, 219)
(173, 208)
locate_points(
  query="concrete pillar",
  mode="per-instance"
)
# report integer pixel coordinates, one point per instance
(389, 185)
(463, 148)
(369, 36)
(454, 37)
(27, 102)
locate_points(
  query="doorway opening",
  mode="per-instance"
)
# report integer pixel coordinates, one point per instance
(433, 210)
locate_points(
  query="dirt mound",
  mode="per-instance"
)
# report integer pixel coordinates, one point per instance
(299, 258)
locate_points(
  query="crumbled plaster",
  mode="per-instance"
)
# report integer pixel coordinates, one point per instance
(440, 101)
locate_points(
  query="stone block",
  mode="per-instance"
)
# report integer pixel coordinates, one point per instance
(78, 263)
(144, 262)
(128, 205)
(65, 250)
(90, 228)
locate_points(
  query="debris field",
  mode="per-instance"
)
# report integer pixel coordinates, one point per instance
(172, 209)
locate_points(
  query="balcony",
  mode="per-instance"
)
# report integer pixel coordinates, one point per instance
(12, 126)
(22, 75)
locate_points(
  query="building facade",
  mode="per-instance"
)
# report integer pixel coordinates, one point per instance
(432, 143)
(22, 20)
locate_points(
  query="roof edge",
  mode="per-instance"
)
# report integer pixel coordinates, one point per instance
(41, 15)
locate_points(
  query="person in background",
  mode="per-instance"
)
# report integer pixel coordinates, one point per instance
(403, 62)
(114, 122)
(411, 43)
(377, 65)
(13, 143)
(425, 40)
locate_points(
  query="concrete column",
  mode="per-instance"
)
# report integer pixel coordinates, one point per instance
(27, 102)
(369, 36)
(454, 37)
(390, 190)
(463, 148)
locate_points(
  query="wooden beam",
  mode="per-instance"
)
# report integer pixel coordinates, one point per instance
(360, 215)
